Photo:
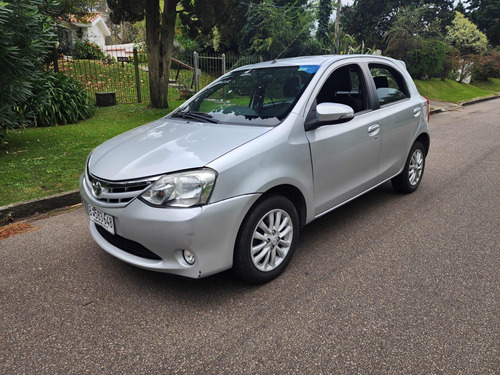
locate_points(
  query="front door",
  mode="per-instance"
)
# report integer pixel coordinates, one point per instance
(345, 155)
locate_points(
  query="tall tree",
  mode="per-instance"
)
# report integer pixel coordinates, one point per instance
(273, 30)
(160, 26)
(486, 15)
(324, 13)
(205, 21)
(370, 20)
(468, 40)
(417, 42)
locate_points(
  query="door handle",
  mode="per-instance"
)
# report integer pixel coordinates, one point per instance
(373, 128)
(416, 112)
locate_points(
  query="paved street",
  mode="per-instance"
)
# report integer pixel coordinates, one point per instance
(388, 284)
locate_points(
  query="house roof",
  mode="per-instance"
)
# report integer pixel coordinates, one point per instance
(84, 18)
(89, 20)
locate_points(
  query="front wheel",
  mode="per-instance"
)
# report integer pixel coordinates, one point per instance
(411, 176)
(266, 240)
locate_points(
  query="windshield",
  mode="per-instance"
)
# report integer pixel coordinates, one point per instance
(261, 97)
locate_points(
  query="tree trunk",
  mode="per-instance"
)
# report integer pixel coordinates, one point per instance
(160, 29)
(337, 20)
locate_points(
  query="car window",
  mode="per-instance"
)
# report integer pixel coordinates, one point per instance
(390, 84)
(262, 96)
(345, 86)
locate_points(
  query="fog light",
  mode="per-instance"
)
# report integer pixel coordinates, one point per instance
(188, 257)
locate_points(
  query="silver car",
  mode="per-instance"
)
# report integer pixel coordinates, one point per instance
(227, 179)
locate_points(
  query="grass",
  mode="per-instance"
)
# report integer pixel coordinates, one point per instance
(42, 161)
(491, 84)
(451, 91)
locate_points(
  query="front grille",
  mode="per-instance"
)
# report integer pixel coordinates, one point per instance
(126, 245)
(116, 193)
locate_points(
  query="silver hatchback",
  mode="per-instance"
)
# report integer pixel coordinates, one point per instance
(227, 179)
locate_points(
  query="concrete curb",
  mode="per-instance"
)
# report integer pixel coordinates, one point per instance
(436, 111)
(24, 209)
(479, 100)
(28, 208)
(464, 104)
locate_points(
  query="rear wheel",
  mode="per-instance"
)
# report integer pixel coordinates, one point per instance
(266, 240)
(411, 176)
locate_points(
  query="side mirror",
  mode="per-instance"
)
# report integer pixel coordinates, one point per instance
(333, 112)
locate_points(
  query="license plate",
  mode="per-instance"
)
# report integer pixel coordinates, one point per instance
(103, 219)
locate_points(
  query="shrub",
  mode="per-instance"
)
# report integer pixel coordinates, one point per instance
(58, 100)
(25, 39)
(86, 50)
(428, 61)
(487, 66)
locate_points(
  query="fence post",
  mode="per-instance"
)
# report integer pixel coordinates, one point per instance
(137, 78)
(54, 58)
(224, 89)
(196, 72)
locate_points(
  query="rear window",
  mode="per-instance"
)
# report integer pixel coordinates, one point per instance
(391, 86)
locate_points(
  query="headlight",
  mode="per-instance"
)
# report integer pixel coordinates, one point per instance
(184, 189)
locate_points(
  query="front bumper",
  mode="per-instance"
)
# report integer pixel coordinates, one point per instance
(209, 232)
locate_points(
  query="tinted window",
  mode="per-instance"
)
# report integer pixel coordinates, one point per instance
(390, 84)
(345, 86)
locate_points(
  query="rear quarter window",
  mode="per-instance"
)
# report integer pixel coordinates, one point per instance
(390, 84)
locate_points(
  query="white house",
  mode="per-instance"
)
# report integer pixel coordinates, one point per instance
(88, 26)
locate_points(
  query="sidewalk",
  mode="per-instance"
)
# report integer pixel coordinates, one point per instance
(440, 106)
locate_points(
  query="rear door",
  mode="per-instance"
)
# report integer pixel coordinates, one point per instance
(400, 115)
(345, 155)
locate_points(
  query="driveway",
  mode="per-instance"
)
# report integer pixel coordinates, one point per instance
(387, 284)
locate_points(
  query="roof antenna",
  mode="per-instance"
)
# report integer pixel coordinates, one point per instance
(294, 39)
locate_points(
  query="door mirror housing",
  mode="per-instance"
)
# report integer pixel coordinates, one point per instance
(330, 113)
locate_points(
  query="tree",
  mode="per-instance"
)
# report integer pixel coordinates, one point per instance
(160, 26)
(460, 7)
(273, 31)
(25, 39)
(417, 41)
(324, 12)
(486, 15)
(212, 24)
(160, 29)
(468, 40)
(370, 20)
(465, 36)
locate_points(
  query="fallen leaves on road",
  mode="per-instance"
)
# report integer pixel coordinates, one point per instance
(15, 229)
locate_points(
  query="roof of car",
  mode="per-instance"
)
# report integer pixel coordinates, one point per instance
(310, 60)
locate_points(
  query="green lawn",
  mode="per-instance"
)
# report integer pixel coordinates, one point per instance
(451, 91)
(42, 161)
(492, 84)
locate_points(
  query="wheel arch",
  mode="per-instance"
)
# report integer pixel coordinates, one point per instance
(293, 194)
(425, 140)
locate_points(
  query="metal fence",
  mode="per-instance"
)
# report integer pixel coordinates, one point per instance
(126, 74)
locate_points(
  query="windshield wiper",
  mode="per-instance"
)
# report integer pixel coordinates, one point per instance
(194, 115)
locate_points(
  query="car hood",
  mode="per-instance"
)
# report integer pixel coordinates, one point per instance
(167, 145)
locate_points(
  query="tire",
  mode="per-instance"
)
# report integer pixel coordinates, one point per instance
(411, 176)
(263, 249)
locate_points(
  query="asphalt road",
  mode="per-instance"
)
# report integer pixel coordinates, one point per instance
(388, 284)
